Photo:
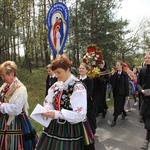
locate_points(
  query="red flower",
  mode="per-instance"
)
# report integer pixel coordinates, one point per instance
(90, 49)
(93, 57)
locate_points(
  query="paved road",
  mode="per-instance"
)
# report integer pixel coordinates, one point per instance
(128, 134)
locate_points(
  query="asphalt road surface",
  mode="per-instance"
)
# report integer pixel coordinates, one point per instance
(128, 134)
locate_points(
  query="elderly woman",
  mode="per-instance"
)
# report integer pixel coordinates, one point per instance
(15, 128)
(66, 104)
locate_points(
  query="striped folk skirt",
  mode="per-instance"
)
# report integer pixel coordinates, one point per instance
(88, 137)
(19, 135)
(64, 136)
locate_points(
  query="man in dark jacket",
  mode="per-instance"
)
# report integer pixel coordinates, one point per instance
(51, 79)
(143, 83)
(120, 92)
(99, 91)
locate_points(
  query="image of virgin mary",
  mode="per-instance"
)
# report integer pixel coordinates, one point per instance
(58, 33)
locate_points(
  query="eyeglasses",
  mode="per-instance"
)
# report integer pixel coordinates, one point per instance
(146, 57)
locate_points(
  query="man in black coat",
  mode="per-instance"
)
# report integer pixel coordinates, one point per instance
(143, 83)
(51, 79)
(120, 92)
(99, 91)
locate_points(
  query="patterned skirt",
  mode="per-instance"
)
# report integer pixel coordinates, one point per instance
(61, 136)
(88, 137)
(64, 136)
(19, 135)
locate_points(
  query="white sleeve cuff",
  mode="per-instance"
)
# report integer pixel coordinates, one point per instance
(2, 109)
(58, 114)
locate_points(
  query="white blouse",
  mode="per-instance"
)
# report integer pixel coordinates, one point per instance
(16, 103)
(78, 101)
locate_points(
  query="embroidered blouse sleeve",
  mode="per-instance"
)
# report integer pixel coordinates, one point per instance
(15, 108)
(78, 102)
(49, 98)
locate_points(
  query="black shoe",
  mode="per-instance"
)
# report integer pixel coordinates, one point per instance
(141, 120)
(145, 145)
(113, 124)
(104, 114)
(97, 115)
(123, 116)
(93, 131)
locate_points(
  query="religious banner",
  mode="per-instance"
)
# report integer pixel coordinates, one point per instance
(58, 26)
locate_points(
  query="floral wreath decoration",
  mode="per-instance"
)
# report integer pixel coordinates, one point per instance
(93, 57)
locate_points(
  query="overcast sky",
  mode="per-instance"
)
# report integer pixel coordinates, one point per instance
(135, 10)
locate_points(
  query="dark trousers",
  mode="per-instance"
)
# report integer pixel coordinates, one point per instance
(148, 135)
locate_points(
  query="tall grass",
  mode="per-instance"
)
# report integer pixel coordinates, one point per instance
(35, 84)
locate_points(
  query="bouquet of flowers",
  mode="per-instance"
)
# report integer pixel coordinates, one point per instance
(92, 58)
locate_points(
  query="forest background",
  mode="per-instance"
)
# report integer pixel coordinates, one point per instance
(23, 32)
(23, 37)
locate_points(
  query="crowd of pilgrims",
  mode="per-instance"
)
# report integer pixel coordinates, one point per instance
(73, 100)
(119, 84)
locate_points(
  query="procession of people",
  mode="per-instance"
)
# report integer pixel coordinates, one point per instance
(73, 101)
(75, 96)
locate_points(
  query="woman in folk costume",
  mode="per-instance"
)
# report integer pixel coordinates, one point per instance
(66, 104)
(16, 131)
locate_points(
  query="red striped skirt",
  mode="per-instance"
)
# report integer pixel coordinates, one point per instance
(66, 136)
(19, 135)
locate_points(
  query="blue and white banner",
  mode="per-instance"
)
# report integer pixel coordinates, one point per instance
(58, 26)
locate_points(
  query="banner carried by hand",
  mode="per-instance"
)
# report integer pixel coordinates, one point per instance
(58, 26)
